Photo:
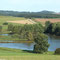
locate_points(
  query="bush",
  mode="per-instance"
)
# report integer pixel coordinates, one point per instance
(5, 23)
(57, 51)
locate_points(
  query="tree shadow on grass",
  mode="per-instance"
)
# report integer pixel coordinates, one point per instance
(28, 51)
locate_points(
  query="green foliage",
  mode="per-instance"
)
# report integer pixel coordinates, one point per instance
(48, 26)
(26, 31)
(32, 32)
(0, 28)
(54, 28)
(38, 28)
(10, 27)
(43, 14)
(57, 51)
(15, 36)
(41, 41)
(47, 23)
(5, 23)
(30, 36)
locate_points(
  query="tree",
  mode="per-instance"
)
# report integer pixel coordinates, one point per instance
(10, 27)
(30, 36)
(0, 28)
(47, 24)
(57, 29)
(38, 28)
(53, 28)
(41, 43)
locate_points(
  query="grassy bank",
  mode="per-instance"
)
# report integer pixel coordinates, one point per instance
(16, 54)
(9, 39)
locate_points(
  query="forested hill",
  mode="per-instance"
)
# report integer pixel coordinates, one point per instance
(42, 14)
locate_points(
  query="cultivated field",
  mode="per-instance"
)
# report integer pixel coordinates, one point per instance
(27, 21)
(43, 20)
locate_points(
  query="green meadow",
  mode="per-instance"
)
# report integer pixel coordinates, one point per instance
(17, 54)
(9, 18)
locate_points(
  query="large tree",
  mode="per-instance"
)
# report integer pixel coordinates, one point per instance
(41, 43)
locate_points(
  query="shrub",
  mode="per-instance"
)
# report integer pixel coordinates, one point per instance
(57, 51)
(5, 23)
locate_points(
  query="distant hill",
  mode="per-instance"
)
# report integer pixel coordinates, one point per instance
(47, 12)
(42, 14)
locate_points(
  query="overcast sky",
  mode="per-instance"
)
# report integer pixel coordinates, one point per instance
(30, 5)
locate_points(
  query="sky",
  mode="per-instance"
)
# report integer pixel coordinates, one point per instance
(30, 5)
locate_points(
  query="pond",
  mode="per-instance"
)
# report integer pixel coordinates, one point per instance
(53, 41)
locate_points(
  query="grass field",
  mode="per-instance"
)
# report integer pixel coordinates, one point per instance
(16, 54)
(9, 18)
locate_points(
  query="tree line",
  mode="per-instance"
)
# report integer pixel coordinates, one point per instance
(42, 14)
(52, 28)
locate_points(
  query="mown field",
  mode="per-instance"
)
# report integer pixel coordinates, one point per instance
(16, 54)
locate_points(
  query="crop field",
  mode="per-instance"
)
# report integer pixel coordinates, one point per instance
(27, 21)
(43, 20)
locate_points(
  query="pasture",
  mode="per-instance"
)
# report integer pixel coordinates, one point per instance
(9, 18)
(16, 54)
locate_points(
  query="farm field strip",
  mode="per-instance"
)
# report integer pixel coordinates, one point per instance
(43, 20)
(27, 21)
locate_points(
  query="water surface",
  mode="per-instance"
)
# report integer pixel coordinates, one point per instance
(53, 41)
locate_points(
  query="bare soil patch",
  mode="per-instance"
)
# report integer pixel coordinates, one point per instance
(42, 20)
